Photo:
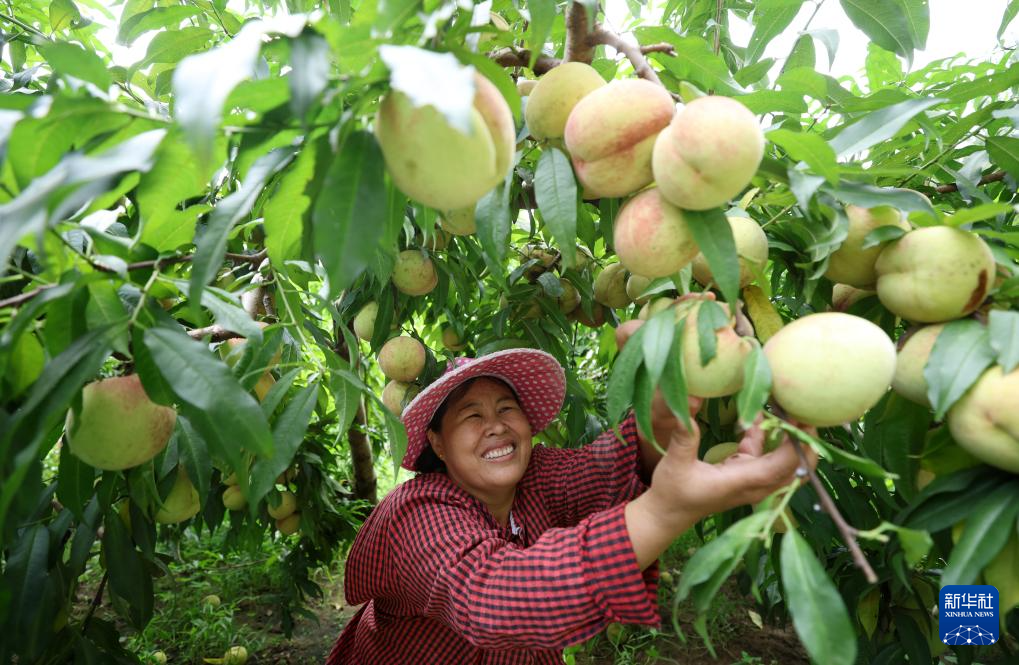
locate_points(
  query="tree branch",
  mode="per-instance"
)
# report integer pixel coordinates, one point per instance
(218, 333)
(514, 57)
(997, 176)
(633, 52)
(14, 301)
(578, 46)
(848, 532)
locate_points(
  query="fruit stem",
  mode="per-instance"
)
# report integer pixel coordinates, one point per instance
(848, 532)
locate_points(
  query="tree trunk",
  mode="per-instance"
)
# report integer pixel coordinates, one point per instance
(365, 481)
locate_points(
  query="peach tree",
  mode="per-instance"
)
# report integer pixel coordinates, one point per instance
(237, 238)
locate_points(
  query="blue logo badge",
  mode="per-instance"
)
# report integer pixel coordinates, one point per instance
(968, 614)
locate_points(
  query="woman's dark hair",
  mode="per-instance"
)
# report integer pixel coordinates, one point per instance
(428, 461)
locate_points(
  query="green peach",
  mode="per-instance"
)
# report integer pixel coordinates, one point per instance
(934, 274)
(414, 273)
(402, 358)
(850, 263)
(985, 422)
(610, 286)
(751, 246)
(555, 95)
(437, 164)
(829, 369)
(181, 503)
(909, 380)
(723, 374)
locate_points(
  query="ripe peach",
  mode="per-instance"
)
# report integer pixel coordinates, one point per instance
(651, 236)
(402, 358)
(414, 273)
(851, 264)
(708, 153)
(844, 296)
(437, 164)
(934, 274)
(555, 95)
(828, 369)
(610, 134)
(751, 246)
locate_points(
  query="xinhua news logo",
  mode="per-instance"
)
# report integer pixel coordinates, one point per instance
(968, 614)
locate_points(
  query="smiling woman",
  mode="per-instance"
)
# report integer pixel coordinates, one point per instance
(500, 552)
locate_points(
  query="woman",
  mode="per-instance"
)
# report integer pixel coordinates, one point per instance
(500, 552)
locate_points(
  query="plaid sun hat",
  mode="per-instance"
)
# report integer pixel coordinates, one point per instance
(536, 377)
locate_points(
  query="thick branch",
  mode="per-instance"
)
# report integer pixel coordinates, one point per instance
(514, 57)
(633, 52)
(990, 177)
(848, 532)
(217, 333)
(578, 47)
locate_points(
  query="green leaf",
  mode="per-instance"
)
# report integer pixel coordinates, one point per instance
(830, 39)
(771, 17)
(756, 387)
(63, 14)
(673, 383)
(26, 573)
(880, 125)
(619, 392)
(128, 576)
(916, 543)
(555, 190)
(713, 235)
(1003, 329)
(172, 45)
(492, 215)
(211, 244)
(710, 317)
(396, 434)
(1004, 153)
(960, 355)
(543, 14)
(694, 60)
(661, 328)
(884, 22)
(918, 20)
(74, 482)
(205, 385)
(712, 564)
(980, 213)
(643, 393)
(194, 455)
(803, 54)
(809, 148)
(882, 234)
(154, 19)
(1006, 18)
(869, 196)
(71, 59)
(350, 212)
(284, 213)
(288, 433)
(982, 537)
(394, 13)
(311, 62)
(202, 82)
(818, 613)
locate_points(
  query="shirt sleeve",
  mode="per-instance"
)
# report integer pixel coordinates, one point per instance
(562, 590)
(601, 474)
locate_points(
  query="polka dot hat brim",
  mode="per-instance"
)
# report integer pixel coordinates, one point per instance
(536, 377)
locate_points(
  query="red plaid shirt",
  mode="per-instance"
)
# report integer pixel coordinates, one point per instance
(443, 582)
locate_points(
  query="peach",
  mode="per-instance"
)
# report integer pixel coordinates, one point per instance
(610, 286)
(555, 95)
(909, 380)
(118, 426)
(829, 369)
(439, 165)
(651, 236)
(751, 246)
(364, 321)
(181, 503)
(723, 374)
(610, 134)
(844, 296)
(851, 264)
(402, 358)
(934, 274)
(985, 422)
(708, 153)
(459, 222)
(414, 273)
(398, 394)
(635, 286)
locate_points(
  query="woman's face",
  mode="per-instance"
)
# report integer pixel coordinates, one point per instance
(485, 440)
